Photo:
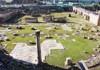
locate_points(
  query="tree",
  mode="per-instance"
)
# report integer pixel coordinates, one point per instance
(95, 7)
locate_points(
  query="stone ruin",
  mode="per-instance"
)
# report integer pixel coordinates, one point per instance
(60, 20)
(31, 20)
(47, 18)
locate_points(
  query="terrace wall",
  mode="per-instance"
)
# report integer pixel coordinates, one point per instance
(95, 19)
(7, 16)
(45, 9)
(88, 15)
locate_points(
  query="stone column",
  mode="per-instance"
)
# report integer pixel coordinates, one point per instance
(37, 33)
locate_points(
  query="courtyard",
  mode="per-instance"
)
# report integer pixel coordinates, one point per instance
(77, 37)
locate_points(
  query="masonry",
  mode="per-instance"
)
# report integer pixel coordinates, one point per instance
(6, 16)
(92, 17)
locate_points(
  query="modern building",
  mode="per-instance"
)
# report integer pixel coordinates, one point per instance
(89, 0)
(82, 0)
(23, 1)
(58, 1)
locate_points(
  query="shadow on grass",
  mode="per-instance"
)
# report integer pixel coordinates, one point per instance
(47, 66)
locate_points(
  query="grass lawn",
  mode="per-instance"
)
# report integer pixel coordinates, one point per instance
(75, 50)
(74, 19)
(16, 39)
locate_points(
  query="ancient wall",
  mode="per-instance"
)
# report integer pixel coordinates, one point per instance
(88, 15)
(94, 19)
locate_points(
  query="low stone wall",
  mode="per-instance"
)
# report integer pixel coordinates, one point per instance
(31, 20)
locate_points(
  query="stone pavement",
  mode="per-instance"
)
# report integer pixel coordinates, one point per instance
(49, 45)
(24, 52)
(29, 53)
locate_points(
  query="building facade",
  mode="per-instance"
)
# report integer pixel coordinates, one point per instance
(89, 0)
(88, 15)
(23, 1)
(45, 1)
(57, 1)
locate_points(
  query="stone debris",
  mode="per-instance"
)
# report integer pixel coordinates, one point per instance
(24, 52)
(92, 61)
(65, 27)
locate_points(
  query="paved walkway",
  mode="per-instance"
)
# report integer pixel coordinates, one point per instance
(49, 45)
(29, 53)
(24, 52)
(4, 31)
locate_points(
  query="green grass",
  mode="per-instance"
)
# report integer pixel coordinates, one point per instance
(10, 47)
(74, 19)
(72, 49)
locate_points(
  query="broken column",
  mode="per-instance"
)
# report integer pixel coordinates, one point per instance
(37, 33)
